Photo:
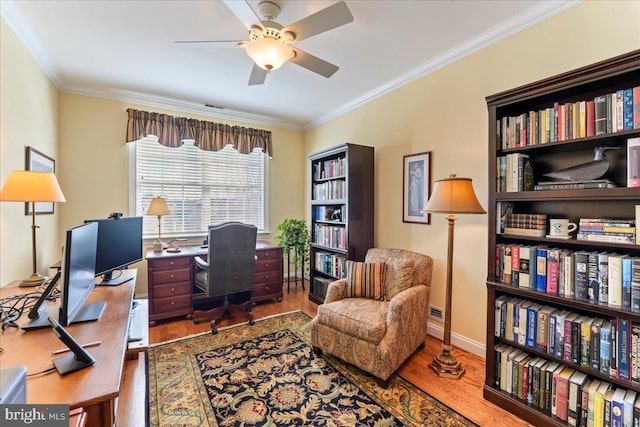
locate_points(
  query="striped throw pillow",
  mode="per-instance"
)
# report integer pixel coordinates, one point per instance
(364, 280)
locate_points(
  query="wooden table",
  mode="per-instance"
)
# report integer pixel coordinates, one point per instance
(95, 388)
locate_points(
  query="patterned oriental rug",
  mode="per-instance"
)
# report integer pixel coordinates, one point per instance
(268, 375)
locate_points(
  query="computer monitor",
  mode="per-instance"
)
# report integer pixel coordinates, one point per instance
(119, 245)
(78, 275)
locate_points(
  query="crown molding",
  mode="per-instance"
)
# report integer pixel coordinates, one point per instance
(532, 16)
(182, 106)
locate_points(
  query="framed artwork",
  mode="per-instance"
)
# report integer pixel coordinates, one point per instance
(39, 162)
(416, 187)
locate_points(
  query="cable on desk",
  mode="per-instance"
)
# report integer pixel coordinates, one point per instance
(12, 307)
(45, 372)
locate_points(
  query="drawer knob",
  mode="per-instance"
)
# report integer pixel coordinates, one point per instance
(266, 288)
(266, 266)
(266, 254)
(173, 289)
(172, 276)
(173, 303)
(171, 262)
(266, 276)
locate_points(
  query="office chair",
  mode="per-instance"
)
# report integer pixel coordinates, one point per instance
(228, 271)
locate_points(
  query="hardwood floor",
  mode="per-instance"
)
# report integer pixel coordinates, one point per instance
(464, 395)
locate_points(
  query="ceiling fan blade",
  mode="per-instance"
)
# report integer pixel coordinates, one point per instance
(313, 63)
(327, 19)
(207, 44)
(243, 12)
(258, 75)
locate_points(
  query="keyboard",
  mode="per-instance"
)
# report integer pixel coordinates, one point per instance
(136, 326)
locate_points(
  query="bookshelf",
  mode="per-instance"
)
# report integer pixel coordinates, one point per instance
(515, 128)
(341, 212)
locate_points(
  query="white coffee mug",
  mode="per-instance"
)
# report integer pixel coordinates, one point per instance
(561, 227)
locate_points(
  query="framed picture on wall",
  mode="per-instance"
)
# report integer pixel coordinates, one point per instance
(416, 187)
(39, 162)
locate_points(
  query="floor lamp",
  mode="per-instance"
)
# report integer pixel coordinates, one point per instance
(158, 207)
(451, 196)
(32, 187)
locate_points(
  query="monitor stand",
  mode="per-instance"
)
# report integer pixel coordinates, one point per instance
(109, 280)
(87, 313)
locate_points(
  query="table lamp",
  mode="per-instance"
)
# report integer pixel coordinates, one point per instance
(32, 187)
(158, 207)
(451, 196)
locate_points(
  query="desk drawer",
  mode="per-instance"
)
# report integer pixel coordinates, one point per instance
(173, 290)
(265, 265)
(272, 253)
(169, 262)
(168, 305)
(267, 276)
(171, 276)
(267, 289)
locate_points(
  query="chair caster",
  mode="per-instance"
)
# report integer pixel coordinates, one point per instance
(214, 331)
(252, 322)
(196, 321)
(317, 350)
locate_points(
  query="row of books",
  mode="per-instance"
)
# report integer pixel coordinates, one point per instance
(329, 168)
(597, 277)
(328, 213)
(609, 113)
(330, 263)
(567, 393)
(574, 185)
(609, 346)
(511, 172)
(330, 236)
(526, 221)
(607, 230)
(329, 190)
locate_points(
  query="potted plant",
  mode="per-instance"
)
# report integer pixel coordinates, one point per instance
(294, 239)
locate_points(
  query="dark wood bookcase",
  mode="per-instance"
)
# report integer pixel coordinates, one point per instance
(341, 212)
(602, 78)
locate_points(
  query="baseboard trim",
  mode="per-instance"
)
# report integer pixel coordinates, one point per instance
(460, 341)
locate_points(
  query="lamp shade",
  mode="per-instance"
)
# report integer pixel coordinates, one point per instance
(269, 53)
(454, 196)
(30, 186)
(158, 206)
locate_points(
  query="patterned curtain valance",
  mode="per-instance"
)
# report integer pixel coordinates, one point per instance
(209, 136)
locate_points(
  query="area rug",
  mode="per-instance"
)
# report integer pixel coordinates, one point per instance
(268, 375)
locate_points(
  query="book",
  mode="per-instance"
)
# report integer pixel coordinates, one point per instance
(624, 349)
(591, 395)
(574, 400)
(524, 232)
(568, 350)
(607, 238)
(636, 107)
(600, 115)
(574, 185)
(591, 118)
(628, 109)
(617, 407)
(541, 270)
(633, 162)
(598, 401)
(542, 336)
(524, 279)
(635, 284)
(553, 259)
(614, 280)
(585, 342)
(637, 224)
(594, 344)
(603, 278)
(604, 348)
(500, 316)
(581, 277)
(635, 352)
(515, 265)
(627, 408)
(562, 392)
(592, 276)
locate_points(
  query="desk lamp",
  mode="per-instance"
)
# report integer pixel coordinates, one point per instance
(158, 207)
(32, 187)
(451, 196)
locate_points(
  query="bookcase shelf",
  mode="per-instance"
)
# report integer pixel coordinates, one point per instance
(341, 212)
(570, 88)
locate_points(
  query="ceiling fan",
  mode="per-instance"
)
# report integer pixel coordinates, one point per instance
(268, 44)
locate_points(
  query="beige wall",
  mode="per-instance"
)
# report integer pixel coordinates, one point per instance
(28, 117)
(446, 113)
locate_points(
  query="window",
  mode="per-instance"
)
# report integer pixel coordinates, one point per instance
(201, 187)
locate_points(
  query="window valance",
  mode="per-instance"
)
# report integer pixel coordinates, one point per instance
(209, 136)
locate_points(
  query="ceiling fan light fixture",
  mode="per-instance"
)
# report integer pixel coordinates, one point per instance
(269, 53)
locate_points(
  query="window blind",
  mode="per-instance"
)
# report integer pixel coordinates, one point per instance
(201, 187)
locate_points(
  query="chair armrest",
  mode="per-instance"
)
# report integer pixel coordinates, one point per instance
(415, 299)
(201, 263)
(335, 291)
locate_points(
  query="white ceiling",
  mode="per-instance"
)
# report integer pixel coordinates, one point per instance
(125, 50)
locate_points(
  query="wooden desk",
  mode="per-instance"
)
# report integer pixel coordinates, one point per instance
(94, 388)
(171, 288)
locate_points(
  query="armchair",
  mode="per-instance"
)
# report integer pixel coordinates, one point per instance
(228, 271)
(378, 335)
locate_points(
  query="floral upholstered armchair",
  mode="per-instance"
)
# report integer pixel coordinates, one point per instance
(376, 317)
